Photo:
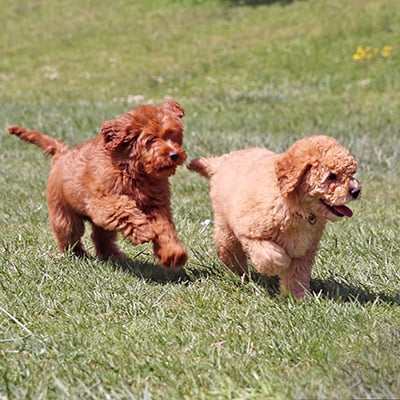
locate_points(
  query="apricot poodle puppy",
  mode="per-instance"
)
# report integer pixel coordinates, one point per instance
(273, 208)
(117, 181)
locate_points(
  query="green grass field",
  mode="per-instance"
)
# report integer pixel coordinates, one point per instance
(248, 73)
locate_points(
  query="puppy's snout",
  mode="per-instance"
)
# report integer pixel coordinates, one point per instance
(355, 188)
(354, 192)
(174, 155)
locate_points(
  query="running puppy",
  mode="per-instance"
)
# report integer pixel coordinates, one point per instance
(117, 181)
(273, 208)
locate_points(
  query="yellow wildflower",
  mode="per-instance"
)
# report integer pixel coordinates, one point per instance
(387, 51)
(369, 52)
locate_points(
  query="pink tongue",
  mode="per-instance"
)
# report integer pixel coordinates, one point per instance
(344, 210)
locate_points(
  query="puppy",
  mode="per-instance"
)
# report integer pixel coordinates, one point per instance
(273, 207)
(117, 181)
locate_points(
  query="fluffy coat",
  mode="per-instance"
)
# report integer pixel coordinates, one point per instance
(273, 208)
(117, 181)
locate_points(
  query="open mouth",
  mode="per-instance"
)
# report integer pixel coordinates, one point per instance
(339, 211)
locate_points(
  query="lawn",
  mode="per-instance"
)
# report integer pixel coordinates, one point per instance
(248, 73)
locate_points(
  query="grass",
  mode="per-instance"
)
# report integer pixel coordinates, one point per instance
(248, 73)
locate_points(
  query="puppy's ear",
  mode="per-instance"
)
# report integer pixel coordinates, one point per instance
(174, 107)
(290, 168)
(114, 133)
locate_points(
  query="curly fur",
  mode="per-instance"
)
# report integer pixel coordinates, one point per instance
(273, 207)
(117, 181)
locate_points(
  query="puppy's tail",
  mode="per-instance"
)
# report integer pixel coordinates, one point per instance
(206, 167)
(49, 145)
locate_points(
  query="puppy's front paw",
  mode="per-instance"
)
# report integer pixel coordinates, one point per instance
(173, 256)
(279, 257)
(268, 257)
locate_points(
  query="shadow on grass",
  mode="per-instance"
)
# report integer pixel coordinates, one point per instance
(330, 289)
(203, 268)
(255, 3)
(153, 272)
(325, 288)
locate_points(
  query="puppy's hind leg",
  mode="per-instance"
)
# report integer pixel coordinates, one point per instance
(68, 229)
(105, 244)
(230, 250)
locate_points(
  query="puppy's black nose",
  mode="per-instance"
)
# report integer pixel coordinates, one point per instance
(354, 192)
(174, 155)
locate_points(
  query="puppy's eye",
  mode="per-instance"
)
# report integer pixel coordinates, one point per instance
(332, 176)
(150, 140)
(169, 135)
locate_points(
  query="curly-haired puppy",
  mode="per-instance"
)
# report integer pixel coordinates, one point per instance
(117, 181)
(273, 207)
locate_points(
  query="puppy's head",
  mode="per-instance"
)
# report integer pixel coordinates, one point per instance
(147, 140)
(320, 173)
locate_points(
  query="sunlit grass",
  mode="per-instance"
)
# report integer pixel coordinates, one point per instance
(247, 75)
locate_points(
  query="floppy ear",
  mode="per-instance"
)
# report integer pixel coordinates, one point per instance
(290, 168)
(114, 133)
(173, 107)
